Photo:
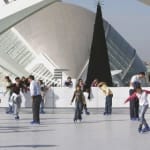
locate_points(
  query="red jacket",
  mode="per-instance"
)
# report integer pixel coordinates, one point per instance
(134, 96)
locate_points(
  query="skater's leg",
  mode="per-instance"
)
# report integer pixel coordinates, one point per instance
(106, 105)
(79, 111)
(76, 111)
(143, 110)
(18, 106)
(136, 111)
(131, 91)
(109, 101)
(86, 110)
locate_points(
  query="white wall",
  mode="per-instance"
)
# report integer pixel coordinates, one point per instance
(61, 97)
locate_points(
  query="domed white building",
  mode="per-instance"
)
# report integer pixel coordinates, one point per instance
(59, 36)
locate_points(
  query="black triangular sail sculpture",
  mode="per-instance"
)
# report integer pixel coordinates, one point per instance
(99, 61)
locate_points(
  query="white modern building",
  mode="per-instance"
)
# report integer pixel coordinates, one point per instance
(51, 34)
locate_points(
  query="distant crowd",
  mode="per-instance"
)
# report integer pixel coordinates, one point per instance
(13, 91)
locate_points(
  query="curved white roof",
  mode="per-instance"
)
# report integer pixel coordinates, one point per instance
(63, 32)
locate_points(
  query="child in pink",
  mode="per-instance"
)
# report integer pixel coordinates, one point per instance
(143, 104)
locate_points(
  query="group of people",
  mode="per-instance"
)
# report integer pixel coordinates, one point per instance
(22, 85)
(138, 101)
(138, 97)
(82, 93)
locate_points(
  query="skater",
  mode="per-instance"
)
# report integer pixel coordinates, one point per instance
(109, 95)
(8, 92)
(134, 105)
(86, 94)
(44, 89)
(16, 99)
(143, 105)
(79, 101)
(35, 92)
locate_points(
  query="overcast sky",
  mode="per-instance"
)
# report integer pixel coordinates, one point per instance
(130, 18)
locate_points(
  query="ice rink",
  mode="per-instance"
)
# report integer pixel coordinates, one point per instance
(57, 131)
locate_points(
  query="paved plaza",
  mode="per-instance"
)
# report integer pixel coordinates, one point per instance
(57, 131)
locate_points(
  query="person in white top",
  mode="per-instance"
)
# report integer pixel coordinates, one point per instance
(134, 105)
(143, 103)
(35, 92)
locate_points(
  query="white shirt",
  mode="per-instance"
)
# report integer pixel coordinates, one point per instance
(35, 88)
(142, 98)
(134, 78)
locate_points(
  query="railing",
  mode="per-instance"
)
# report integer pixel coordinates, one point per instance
(60, 97)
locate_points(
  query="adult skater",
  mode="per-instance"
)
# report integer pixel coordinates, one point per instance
(109, 95)
(134, 105)
(36, 99)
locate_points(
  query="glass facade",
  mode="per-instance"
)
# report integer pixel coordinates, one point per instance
(15, 49)
(122, 56)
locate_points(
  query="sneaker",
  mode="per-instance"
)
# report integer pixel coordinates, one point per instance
(146, 129)
(87, 113)
(105, 113)
(133, 119)
(9, 112)
(35, 122)
(140, 130)
(42, 112)
(32, 122)
(80, 120)
(75, 120)
(17, 117)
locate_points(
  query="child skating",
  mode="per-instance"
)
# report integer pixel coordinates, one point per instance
(79, 100)
(143, 104)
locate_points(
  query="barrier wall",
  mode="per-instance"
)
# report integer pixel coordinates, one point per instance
(60, 97)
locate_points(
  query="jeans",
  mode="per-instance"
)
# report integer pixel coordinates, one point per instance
(143, 110)
(108, 104)
(134, 106)
(42, 106)
(36, 100)
(10, 104)
(17, 106)
(78, 110)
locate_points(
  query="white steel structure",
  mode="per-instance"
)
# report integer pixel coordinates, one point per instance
(58, 35)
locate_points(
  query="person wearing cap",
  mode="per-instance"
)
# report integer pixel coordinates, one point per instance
(134, 105)
(109, 95)
(142, 95)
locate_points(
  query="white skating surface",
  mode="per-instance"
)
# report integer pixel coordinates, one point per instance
(58, 132)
